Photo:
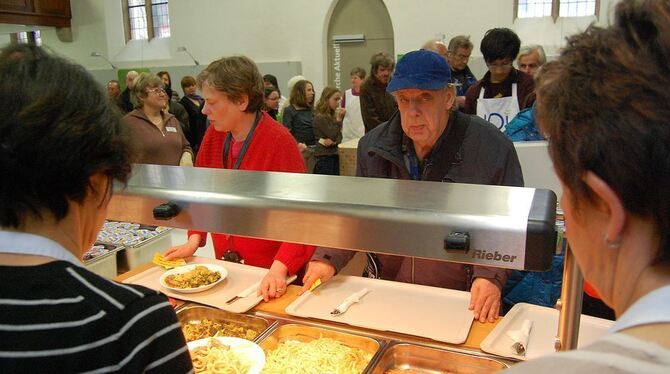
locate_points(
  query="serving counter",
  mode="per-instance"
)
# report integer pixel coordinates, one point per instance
(497, 226)
(276, 308)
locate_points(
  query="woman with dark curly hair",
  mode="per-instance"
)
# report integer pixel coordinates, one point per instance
(61, 148)
(604, 108)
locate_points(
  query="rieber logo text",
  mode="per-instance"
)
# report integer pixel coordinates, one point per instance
(495, 256)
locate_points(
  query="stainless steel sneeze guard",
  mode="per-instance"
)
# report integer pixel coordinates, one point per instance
(509, 227)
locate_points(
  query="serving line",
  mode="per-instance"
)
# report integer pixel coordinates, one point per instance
(274, 310)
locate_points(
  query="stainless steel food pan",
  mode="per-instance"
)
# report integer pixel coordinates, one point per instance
(404, 357)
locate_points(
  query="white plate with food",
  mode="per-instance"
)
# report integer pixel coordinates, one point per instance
(226, 354)
(193, 278)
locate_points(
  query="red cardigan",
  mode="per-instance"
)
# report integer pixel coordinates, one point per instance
(272, 148)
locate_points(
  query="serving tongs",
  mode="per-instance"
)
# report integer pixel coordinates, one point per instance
(254, 288)
(349, 301)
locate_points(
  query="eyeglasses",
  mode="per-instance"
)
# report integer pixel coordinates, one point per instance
(499, 65)
(157, 91)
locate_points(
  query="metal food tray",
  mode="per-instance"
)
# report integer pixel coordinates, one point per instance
(142, 252)
(305, 333)
(105, 265)
(399, 357)
(195, 313)
(144, 241)
(112, 248)
(385, 338)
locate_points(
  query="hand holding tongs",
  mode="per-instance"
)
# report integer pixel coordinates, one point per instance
(253, 289)
(349, 301)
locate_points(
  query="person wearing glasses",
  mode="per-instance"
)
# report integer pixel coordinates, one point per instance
(458, 55)
(157, 134)
(503, 91)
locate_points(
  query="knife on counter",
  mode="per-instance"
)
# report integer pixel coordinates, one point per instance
(254, 288)
(349, 301)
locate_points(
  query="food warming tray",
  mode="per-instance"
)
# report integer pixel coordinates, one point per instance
(401, 357)
(195, 314)
(304, 334)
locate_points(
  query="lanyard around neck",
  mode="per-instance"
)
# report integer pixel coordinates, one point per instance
(243, 151)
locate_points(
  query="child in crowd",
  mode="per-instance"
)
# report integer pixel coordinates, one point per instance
(328, 131)
(298, 117)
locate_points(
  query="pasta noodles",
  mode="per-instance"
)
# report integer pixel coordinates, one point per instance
(217, 358)
(323, 355)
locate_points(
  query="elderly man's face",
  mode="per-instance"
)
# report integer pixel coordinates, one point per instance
(424, 113)
(458, 59)
(529, 63)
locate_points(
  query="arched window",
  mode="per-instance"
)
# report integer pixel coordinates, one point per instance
(146, 19)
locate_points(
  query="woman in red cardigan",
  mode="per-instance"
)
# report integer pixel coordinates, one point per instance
(241, 137)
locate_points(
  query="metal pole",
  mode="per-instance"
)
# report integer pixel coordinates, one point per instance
(570, 304)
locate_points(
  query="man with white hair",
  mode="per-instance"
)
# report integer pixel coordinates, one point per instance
(530, 58)
(124, 98)
(523, 127)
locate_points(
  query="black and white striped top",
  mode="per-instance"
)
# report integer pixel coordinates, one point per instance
(59, 317)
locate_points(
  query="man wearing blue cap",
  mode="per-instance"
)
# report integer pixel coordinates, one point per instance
(428, 141)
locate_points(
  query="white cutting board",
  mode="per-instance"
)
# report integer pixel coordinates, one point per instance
(543, 333)
(239, 278)
(435, 313)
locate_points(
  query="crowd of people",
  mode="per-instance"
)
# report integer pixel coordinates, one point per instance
(424, 118)
(408, 118)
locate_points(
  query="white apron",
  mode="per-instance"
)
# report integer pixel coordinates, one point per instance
(352, 124)
(498, 111)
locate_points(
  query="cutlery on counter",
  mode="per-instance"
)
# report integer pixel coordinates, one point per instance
(253, 289)
(520, 337)
(349, 301)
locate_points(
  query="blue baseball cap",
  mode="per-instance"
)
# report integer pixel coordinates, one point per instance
(421, 70)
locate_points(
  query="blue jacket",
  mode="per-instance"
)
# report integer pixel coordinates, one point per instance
(522, 128)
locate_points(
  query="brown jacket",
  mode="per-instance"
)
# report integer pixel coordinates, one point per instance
(153, 146)
(377, 105)
(326, 127)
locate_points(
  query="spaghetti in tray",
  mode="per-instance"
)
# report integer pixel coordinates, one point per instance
(323, 355)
